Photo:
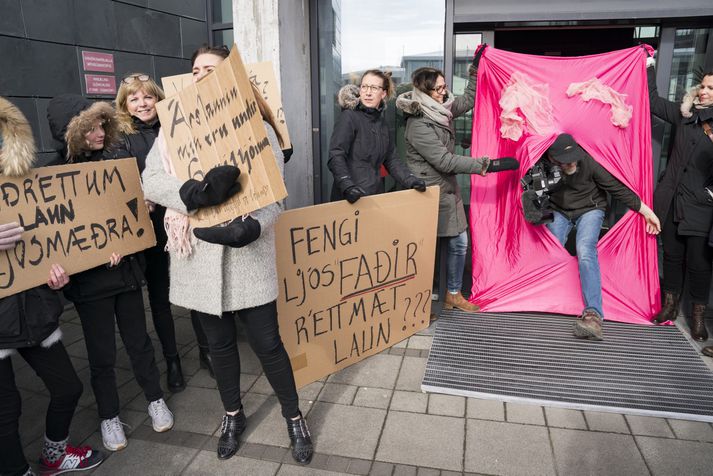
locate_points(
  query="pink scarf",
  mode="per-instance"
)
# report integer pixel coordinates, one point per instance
(177, 225)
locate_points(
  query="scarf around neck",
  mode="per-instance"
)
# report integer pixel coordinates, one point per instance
(432, 109)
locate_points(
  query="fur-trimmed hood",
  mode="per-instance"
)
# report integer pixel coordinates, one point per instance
(17, 145)
(72, 116)
(690, 102)
(409, 106)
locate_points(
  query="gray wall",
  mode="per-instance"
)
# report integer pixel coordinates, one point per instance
(466, 11)
(295, 82)
(41, 43)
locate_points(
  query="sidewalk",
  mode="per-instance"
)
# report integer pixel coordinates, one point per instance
(370, 418)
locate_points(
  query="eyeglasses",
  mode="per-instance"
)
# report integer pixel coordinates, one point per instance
(133, 77)
(370, 87)
(440, 89)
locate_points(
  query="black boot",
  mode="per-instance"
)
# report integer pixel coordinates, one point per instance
(232, 427)
(698, 322)
(205, 361)
(302, 449)
(669, 310)
(174, 374)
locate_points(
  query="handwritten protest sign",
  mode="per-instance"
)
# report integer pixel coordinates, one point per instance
(214, 122)
(262, 75)
(354, 279)
(74, 215)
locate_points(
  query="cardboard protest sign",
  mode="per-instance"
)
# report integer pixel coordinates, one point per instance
(261, 75)
(215, 122)
(174, 84)
(354, 279)
(75, 215)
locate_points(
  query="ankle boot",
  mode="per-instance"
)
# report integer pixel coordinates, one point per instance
(669, 310)
(457, 301)
(232, 427)
(301, 440)
(174, 374)
(698, 323)
(205, 360)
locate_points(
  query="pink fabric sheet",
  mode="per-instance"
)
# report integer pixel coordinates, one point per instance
(521, 267)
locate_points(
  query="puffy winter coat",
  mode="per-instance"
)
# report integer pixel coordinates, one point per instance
(360, 144)
(429, 155)
(31, 317)
(71, 117)
(690, 168)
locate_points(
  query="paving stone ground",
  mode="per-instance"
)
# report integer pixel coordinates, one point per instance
(370, 418)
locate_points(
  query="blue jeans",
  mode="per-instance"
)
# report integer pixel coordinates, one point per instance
(588, 228)
(457, 247)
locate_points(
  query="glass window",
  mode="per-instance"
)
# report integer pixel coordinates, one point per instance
(222, 11)
(357, 35)
(223, 37)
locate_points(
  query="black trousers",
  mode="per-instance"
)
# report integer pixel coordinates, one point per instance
(157, 282)
(97, 319)
(688, 256)
(55, 369)
(261, 326)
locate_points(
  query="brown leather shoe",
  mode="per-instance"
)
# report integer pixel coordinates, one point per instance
(698, 322)
(707, 351)
(588, 325)
(457, 301)
(669, 310)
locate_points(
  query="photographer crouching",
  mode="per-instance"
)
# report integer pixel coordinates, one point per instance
(577, 197)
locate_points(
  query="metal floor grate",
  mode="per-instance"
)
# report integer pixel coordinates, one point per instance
(518, 357)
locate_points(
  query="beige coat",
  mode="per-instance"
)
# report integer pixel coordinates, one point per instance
(215, 278)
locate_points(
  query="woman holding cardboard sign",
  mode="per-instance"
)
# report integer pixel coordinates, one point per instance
(108, 292)
(235, 266)
(138, 121)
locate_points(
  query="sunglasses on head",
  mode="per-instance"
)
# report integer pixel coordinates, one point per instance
(135, 77)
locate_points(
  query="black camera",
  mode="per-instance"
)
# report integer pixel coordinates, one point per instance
(538, 183)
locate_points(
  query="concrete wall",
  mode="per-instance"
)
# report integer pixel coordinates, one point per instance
(267, 31)
(41, 43)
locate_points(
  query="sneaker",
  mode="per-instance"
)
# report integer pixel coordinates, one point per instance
(588, 325)
(161, 416)
(113, 436)
(74, 459)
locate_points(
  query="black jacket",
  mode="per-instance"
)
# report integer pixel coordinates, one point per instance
(360, 144)
(138, 145)
(29, 317)
(585, 190)
(689, 169)
(99, 282)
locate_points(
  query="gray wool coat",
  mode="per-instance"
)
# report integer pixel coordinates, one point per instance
(429, 155)
(215, 278)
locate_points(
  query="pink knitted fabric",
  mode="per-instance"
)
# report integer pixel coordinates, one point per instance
(595, 89)
(525, 106)
(521, 267)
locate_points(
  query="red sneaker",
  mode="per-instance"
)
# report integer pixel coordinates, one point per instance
(74, 459)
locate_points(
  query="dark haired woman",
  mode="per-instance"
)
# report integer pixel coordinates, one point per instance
(112, 292)
(361, 141)
(430, 142)
(684, 202)
(236, 267)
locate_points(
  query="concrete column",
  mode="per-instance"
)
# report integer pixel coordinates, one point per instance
(268, 30)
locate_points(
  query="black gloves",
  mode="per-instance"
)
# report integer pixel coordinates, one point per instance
(415, 183)
(219, 184)
(478, 54)
(237, 233)
(503, 163)
(354, 193)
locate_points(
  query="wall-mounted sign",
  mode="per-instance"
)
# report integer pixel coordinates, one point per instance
(100, 84)
(94, 61)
